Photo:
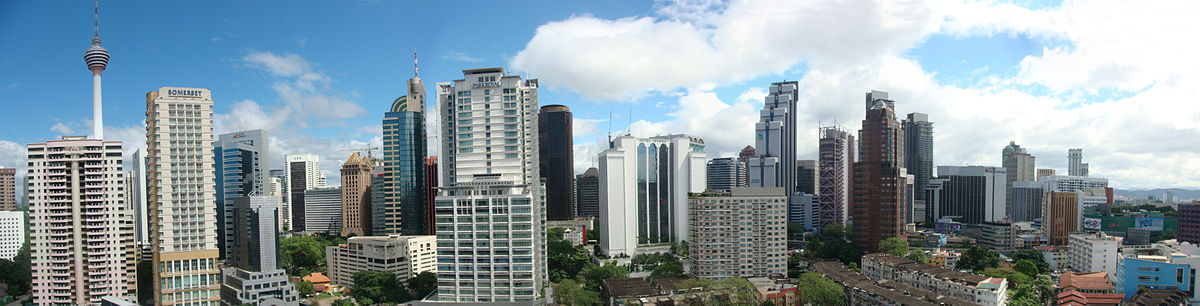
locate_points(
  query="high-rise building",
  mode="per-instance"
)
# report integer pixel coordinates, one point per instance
(285, 207)
(8, 188)
(490, 158)
(323, 210)
(918, 151)
(878, 199)
(431, 184)
(1189, 222)
(182, 196)
(1044, 173)
(1060, 216)
(1072, 183)
(744, 157)
(276, 191)
(836, 153)
(761, 247)
(241, 161)
(404, 256)
(303, 173)
(557, 161)
(587, 192)
(803, 209)
(356, 195)
(135, 193)
(1075, 162)
(974, 193)
(1020, 167)
(253, 275)
(1092, 252)
(644, 186)
(12, 233)
(406, 199)
(77, 217)
(774, 162)
(725, 173)
(1026, 201)
(807, 173)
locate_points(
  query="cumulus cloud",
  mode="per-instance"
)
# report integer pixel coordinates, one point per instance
(460, 57)
(1119, 85)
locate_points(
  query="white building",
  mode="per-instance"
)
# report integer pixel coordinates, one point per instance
(490, 215)
(644, 186)
(322, 210)
(79, 249)
(774, 161)
(12, 233)
(283, 210)
(135, 188)
(740, 233)
(1092, 252)
(179, 137)
(1063, 183)
(405, 256)
(804, 209)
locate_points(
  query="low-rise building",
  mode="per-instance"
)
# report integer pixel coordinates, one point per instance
(406, 256)
(12, 233)
(1088, 252)
(1055, 256)
(1159, 266)
(1076, 298)
(320, 281)
(970, 287)
(778, 291)
(740, 233)
(944, 258)
(866, 291)
(1085, 282)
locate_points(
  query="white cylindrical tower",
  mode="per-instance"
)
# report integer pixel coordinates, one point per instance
(97, 59)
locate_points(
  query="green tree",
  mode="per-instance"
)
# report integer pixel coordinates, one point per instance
(978, 258)
(1026, 266)
(343, 302)
(794, 231)
(1037, 292)
(423, 284)
(564, 260)
(568, 292)
(667, 269)
(372, 287)
(894, 246)
(17, 273)
(306, 288)
(834, 230)
(145, 285)
(917, 256)
(593, 275)
(1034, 256)
(793, 261)
(819, 290)
(838, 249)
(301, 255)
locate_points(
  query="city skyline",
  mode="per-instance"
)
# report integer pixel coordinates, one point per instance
(277, 83)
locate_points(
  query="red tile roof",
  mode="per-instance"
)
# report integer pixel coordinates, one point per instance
(1085, 281)
(1072, 297)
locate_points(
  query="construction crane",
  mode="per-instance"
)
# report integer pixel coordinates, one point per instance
(368, 148)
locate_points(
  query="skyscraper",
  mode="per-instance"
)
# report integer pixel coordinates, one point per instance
(1060, 216)
(807, 173)
(744, 157)
(761, 247)
(587, 193)
(557, 161)
(241, 162)
(431, 186)
(1026, 201)
(182, 196)
(1044, 172)
(490, 154)
(918, 151)
(644, 186)
(1075, 166)
(303, 173)
(78, 248)
(8, 188)
(774, 163)
(1020, 167)
(405, 170)
(97, 59)
(878, 200)
(323, 210)
(725, 173)
(279, 176)
(836, 153)
(135, 187)
(356, 195)
(253, 275)
(975, 193)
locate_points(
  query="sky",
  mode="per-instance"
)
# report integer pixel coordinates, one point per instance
(1116, 78)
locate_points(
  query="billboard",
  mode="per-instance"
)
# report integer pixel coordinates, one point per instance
(1150, 223)
(1091, 223)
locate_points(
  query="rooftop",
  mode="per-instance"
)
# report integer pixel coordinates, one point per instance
(1072, 297)
(629, 287)
(1085, 281)
(316, 278)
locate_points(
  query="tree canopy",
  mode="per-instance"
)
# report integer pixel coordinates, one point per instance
(978, 258)
(894, 246)
(1026, 266)
(371, 287)
(819, 290)
(423, 284)
(593, 274)
(17, 273)
(301, 255)
(568, 292)
(1034, 256)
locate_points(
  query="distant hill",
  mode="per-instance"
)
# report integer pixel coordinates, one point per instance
(1182, 194)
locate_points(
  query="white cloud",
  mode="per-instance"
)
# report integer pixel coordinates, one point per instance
(62, 129)
(306, 92)
(460, 57)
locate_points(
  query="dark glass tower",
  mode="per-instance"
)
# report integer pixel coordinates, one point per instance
(877, 204)
(918, 151)
(404, 150)
(557, 161)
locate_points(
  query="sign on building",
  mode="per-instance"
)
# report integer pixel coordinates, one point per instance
(1150, 223)
(1091, 223)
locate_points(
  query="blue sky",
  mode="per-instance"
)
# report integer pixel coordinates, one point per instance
(319, 74)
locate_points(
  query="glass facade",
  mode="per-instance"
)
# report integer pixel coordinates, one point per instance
(404, 210)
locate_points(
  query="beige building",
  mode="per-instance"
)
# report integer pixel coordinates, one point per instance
(356, 195)
(182, 196)
(406, 256)
(740, 233)
(1060, 216)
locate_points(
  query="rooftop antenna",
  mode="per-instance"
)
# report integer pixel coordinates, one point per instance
(610, 129)
(97, 18)
(415, 71)
(629, 128)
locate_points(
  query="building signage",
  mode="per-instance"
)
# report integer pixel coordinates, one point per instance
(1150, 223)
(184, 93)
(485, 84)
(1091, 223)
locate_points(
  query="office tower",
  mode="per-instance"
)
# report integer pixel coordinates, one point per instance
(431, 186)
(241, 161)
(875, 96)
(356, 195)
(725, 173)
(774, 162)
(182, 197)
(404, 256)
(253, 275)
(744, 157)
(77, 241)
(644, 186)
(804, 210)
(303, 173)
(760, 249)
(878, 199)
(918, 151)
(1189, 222)
(8, 188)
(1020, 167)
(276, 190)
(377, 209)
(588, 192)
(1168, 197)
(1075, 162)
(135, 190)
(1060, 216)
(806, 176)
(974, 193)
(1026, 201)
(281, 191)
(12, 233)
(557, 161)
(406, 198)
(836, 153)
(323, 210)
(1083, 169)
(1044, 173)
(491, 181)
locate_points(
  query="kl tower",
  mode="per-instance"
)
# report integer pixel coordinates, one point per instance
(97, 59)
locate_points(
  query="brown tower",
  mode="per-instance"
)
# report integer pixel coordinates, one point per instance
(356, 195)
(877, 201)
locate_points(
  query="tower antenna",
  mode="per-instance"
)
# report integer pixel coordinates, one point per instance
(629, 128)
(415, 71)
(97, 18)
(609, 129)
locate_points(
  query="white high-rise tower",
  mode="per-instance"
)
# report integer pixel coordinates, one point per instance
(97, 59)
